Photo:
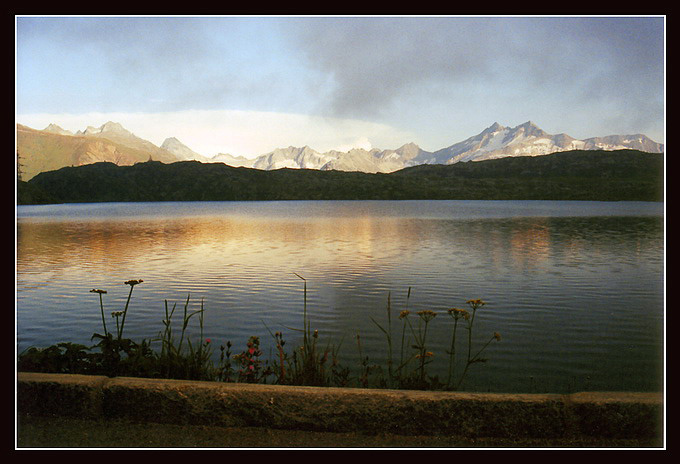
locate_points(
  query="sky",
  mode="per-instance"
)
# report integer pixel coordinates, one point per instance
(245, 85)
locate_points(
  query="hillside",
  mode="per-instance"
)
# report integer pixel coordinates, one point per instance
(48, 150)
(576, 175)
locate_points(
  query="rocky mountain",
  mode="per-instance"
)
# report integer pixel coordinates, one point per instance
(53, 128)
(54, 147)
(374, 160)
(181, 151)
(357, 159)
(291, 157)
(234, 161)
(115, 132)
(496, 141)
(618, 142)
(369, 161)
(527, 139)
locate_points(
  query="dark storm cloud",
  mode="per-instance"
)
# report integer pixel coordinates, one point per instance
(373, 61)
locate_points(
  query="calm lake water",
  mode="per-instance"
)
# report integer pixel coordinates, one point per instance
(576, 289)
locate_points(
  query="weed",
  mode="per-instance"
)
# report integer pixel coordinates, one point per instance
(309, 364)
(469, 319)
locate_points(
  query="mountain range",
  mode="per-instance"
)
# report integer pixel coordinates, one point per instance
(53, 148)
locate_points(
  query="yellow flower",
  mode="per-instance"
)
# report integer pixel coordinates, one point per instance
(427, 354)
(404, 314)
(475, 303)
(457, 313)
(497, 336)
(426, 315)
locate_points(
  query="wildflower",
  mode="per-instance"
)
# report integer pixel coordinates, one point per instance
(116, 313)
(132, 283)
(94, 290)
(426, 315)
(279, 339)
(497, 336)
(207, 340)
(316, 334)
(404, 314)
(427, 354)
(457, 313)
(475, 303)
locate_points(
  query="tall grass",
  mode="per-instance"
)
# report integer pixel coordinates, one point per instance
(177, 360)
(309, 363)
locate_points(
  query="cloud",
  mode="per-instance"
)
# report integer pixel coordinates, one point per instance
(372, 61)
(127, 43)
(376, 61)
(152, 64)
(443, 78)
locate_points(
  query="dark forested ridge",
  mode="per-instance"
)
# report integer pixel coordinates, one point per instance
(576, 175)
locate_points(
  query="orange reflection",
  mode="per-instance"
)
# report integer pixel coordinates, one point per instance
(196, 241)
(530, 245)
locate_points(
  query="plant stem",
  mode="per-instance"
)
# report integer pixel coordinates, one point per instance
(452, 353)
(401, 356)
(184, 324)
(101, 305)
(423, 354)
(305, 338)
(127, 303)
(389, 335)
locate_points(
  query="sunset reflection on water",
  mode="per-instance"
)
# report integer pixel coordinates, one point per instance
(541, 273)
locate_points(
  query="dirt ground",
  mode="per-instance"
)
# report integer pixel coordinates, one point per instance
(34, 432)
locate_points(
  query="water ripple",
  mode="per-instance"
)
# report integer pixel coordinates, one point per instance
(575, 289)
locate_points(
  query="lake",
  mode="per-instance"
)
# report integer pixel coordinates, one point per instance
(576, 289)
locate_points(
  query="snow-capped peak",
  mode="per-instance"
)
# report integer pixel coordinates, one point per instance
(528, 139)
